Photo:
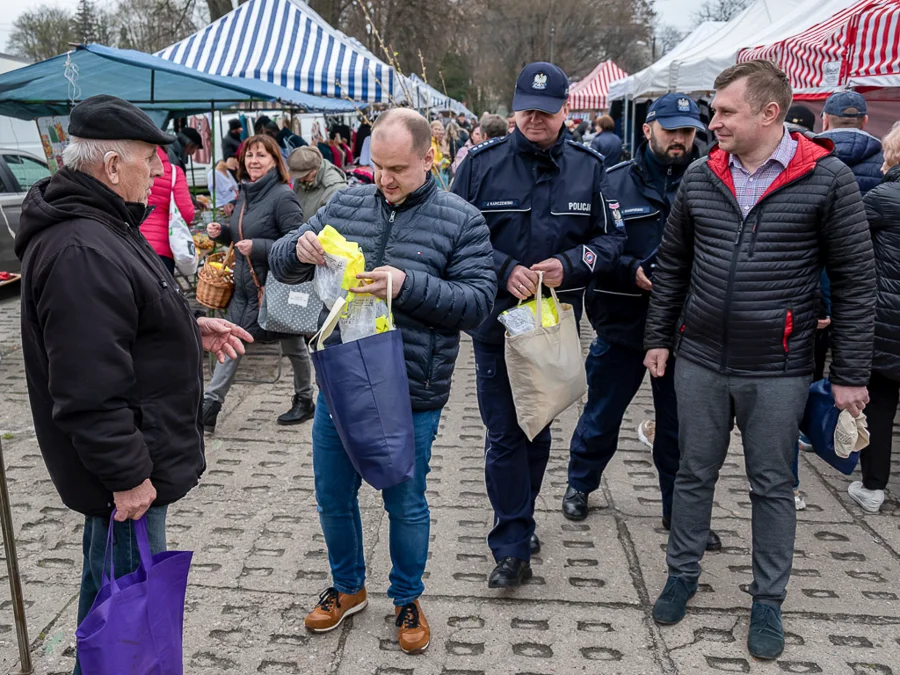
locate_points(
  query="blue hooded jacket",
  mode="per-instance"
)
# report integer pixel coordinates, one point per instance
(861, 152)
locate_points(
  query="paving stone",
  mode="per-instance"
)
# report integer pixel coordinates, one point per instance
(480, 638)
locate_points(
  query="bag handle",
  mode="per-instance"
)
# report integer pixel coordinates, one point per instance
(539, 300)
(259, 289)
(143, 542)
(318, 340)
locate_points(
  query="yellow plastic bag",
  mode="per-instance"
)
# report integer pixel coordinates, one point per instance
(523, 318)
(343, 261)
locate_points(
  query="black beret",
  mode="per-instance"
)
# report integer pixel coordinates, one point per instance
(193, 136)
(110, 118)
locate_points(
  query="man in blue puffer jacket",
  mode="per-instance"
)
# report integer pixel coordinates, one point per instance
(437, 250)
(844, 120)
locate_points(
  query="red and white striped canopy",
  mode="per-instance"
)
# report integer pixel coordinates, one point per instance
(856, 47)
(590, 93)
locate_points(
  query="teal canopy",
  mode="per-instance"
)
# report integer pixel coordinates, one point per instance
(160, 87)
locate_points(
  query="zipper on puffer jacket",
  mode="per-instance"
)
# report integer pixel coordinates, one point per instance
(382, 246)
(788, 331)
(755, 233)
(729, 291)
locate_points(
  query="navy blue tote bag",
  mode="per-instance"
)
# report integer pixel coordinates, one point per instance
(819, 422)
(365, 385)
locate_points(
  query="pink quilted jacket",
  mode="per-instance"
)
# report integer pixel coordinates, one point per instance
(156, 227)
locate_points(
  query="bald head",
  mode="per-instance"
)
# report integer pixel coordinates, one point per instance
(411, 122)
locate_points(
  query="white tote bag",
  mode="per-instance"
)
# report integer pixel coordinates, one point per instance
(546, 368)
(180, 240)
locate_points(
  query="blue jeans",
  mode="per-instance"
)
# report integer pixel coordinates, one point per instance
(614, 375)
(126, 557)
(513, 465)
(337, 487)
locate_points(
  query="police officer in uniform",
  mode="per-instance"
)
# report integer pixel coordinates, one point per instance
(617, 304)
(545, 200)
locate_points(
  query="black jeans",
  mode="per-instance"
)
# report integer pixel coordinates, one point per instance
(884, 396)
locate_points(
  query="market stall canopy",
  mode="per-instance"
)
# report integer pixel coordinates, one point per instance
(858, 46)
(762, 22)
(426, 97)
(161, 87)
(286, 43)
(654, 79)
(591, 92)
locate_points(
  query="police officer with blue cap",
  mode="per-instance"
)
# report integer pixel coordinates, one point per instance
(546, 202)
(617, 305)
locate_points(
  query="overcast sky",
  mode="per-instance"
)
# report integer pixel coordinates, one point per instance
(674, 12)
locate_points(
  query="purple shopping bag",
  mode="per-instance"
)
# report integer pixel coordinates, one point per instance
(136, 623)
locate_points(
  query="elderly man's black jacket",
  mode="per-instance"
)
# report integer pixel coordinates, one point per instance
(113, 355)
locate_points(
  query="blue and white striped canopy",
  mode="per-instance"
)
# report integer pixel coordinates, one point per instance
(286, 43)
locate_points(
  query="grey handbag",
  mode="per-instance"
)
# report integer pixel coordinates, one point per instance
(289, 308)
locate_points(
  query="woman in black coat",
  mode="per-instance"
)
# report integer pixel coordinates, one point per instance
(266, 209)
(883, 211)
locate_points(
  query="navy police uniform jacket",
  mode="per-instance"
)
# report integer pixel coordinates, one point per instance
(540, 204)
(616, 306)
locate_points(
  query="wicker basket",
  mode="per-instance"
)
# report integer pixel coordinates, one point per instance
(216, 286)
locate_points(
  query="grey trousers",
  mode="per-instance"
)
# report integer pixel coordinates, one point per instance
(768, 411)
(293, 347)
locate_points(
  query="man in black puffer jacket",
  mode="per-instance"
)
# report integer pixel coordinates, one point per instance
(437, 250)
(883, 211)
(736, 296)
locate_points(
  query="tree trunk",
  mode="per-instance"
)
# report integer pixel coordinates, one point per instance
(219, 8)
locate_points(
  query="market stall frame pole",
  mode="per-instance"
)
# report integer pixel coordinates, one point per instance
(12, 566)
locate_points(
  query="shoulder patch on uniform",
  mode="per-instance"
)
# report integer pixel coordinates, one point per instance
(490, 143)
(586, 148)
(588, 257)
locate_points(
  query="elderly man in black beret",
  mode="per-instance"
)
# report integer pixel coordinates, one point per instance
(113, 353)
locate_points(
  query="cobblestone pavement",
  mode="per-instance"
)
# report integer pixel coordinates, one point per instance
(260, 559)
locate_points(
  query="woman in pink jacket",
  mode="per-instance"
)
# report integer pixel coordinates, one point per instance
(156, 227)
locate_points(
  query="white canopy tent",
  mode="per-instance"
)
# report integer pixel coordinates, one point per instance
(763, 22)
(655, 78)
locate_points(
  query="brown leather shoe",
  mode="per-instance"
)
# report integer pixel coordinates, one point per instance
(413, 632)
(333, 608)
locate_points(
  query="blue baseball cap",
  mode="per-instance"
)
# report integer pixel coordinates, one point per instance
(541, 86)
(846, 104)
(675, 111)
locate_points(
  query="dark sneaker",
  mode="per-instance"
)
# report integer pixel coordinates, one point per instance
(713, 542)
(509, 573)
(575, 504)
(671, 605)
(413, 632)
(211, 409)
(766, 638)
(333, 607)
(534, 544)
(301, 411)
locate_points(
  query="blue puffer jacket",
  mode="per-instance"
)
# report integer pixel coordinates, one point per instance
(861, 152)
(608, 144)
(443, 245)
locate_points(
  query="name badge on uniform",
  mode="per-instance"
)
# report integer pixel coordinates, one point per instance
(499, 204)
